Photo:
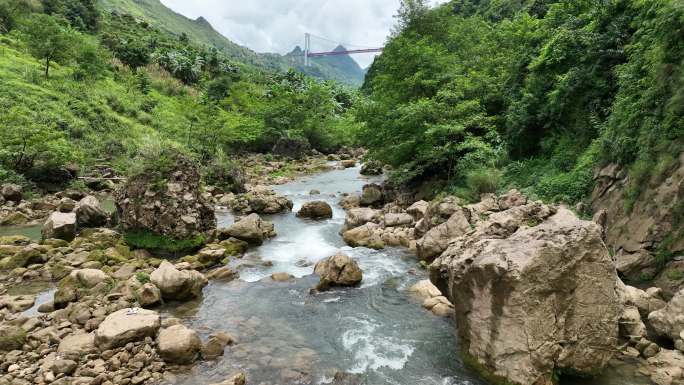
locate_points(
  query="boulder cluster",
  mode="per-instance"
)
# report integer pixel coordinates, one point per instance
(99, 328)
(532, 287)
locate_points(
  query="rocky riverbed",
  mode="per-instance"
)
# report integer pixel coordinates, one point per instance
(262, 303)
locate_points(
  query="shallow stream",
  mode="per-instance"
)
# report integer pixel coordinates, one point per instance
(287, 335)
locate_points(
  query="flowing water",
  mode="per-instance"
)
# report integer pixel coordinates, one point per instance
(287, 335)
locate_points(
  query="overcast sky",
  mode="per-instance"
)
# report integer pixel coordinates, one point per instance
(279, 25)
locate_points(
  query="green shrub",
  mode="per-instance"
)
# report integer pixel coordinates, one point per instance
(142, 277)
(483, 181)
(225, 173)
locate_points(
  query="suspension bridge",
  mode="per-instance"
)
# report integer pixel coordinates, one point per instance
(309, 53)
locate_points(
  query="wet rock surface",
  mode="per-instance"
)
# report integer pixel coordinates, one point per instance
(315, 210)
(338, 270)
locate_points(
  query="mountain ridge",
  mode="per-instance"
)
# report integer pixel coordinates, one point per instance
(339, 68)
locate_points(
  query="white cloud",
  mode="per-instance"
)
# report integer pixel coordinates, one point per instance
(279, 25)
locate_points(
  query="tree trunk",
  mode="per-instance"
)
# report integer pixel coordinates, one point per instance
(47, 67)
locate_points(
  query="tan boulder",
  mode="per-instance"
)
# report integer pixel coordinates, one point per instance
(126, 325)
(669, 321)
(338, 270)
(179, 344)
(436, 240)
(251, 229)
(425, 289)
(175, 284)
(506, 283)
(368, 235)
(60, 226)
(315, 210)
(360, 216)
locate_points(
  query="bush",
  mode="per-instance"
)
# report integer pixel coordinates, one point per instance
(483, 181)
(225, 173)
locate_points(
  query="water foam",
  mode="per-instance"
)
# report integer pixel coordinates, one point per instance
(371, 350)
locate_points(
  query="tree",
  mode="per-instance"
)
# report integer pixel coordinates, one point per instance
(91, 59)
(11, 11)
(134, 53)
(409, 12)
(48, 41)
(28, 141)
(81, 14)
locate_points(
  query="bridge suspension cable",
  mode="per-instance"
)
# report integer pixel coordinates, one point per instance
(308, 54)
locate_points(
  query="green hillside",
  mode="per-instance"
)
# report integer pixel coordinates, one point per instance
(80, 87)
(200, 31)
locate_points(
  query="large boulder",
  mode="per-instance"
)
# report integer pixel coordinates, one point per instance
(315, 210)
(669, 321)
(360, 216)
(368, 235)
(259, 200)
(534, 297)
(89, 213)
(77, 345)
(126, 325)
(11, 192)
(175, 284)
(251, 229)
(371, 168)
(178, 344)
(60, 226)
(398, 220)
(436, 240)
(166, 200)
(436, 213)
(418, 209)
(338, 270)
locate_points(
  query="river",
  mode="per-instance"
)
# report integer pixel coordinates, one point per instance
(285, 335)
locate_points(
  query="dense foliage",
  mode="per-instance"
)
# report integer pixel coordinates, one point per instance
(532, 93)
(80, 88)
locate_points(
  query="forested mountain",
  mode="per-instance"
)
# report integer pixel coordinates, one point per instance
(200, 31)
(533, 94)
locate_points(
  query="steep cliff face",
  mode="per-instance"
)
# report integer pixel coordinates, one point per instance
(648, 239)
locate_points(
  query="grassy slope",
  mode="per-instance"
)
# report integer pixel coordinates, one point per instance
(94, 115)
(200, 31)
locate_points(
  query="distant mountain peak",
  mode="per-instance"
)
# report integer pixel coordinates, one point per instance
(202, 20)
(339, 48)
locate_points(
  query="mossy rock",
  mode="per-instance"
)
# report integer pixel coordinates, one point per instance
(234, 247)
(14, 219)
(55, 243)
(67, 292)
(15, 240)
(60, 270)
(25, 257)
(9, 250)
(11, 338)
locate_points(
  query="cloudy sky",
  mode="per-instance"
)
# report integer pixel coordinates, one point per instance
(279, 25)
